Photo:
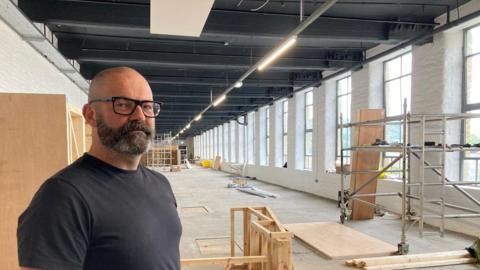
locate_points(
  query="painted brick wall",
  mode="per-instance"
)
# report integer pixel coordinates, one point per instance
(24, 70)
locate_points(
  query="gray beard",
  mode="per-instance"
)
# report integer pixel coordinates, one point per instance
(133, 138)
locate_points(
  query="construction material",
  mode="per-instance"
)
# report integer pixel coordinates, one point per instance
(258, 192)
(163, 153)
(365, 161)
(266, 244)
(175, 168)
(37, 142)
(414, 261)
(217, 163)
(206, 163)
(337, 241)
(187, 164)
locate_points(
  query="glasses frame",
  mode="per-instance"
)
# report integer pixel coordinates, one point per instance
(136, 101)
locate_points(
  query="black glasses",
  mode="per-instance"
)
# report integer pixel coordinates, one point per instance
(126, 106)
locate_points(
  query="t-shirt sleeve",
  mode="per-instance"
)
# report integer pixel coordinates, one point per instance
(53, 232)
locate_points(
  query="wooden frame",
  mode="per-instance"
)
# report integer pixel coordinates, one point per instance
(266, 243)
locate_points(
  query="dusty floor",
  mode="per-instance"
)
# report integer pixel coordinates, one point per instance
(198, 187)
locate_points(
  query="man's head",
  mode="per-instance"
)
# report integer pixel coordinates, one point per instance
(112, 92)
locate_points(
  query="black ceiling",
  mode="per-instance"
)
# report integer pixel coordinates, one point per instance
(184, 71)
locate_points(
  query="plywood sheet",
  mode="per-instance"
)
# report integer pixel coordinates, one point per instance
(337, 241)
(365, 135)
(34, 147)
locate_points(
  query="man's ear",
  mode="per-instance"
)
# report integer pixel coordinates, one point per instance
(89, 115)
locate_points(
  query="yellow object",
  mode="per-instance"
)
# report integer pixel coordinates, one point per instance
(206, 163)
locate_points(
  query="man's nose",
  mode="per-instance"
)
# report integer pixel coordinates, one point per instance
(138, 113)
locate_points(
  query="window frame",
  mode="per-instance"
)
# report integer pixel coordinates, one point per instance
(385, 155)
(347, 158)
(466, 107)
(284, 132)
(307, 131)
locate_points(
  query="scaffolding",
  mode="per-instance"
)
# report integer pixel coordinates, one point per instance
(161, 155)
(417, 188)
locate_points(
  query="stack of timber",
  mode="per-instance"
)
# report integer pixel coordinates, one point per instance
(266, 243)
(365, 161)
(217, 163)
(40, 134)
(414, 261)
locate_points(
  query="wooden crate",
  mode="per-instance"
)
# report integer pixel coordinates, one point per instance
(38, 139)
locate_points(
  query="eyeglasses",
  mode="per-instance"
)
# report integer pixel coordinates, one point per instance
(126, 106)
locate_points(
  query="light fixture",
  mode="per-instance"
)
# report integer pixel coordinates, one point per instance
(219, 100)
(188, 126)
(238, 84)
(282, 48)
(181, 131)
(198, 117)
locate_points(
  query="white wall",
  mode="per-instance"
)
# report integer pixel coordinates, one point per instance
(436, 88)
(24, 70)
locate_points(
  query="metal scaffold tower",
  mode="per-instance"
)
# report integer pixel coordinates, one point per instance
(424, 148)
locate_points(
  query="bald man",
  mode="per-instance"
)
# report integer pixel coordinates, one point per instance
(105, 211)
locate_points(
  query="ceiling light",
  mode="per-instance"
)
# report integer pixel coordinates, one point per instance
(188, 126)
(198, 117)
(238, 84)
(282, 48)
(219, 100)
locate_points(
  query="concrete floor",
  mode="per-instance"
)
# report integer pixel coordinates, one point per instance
(199, 187)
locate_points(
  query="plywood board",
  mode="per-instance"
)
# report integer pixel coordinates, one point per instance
(34, 147)
(337, 241)
(363, 160)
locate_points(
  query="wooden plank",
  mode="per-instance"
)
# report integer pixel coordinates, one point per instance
(422, 264)
(336, 241)
(34, 147)
(223, 260)
(362, 262)
(365, 160)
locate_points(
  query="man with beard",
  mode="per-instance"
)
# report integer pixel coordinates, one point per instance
(105, 211)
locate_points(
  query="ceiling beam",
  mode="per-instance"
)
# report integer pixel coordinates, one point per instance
(134, 20)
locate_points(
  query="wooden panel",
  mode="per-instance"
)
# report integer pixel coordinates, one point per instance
(365, 135)
(34, 147)
(77, 134)
(88, 137)
(336, 241)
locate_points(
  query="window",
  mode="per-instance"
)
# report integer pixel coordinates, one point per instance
(251, 138)
(241, 140)
(233, 142)
(285, 131)
(308, 130)
(397, 87)
(471, 103)
(344, 105)
(266, 136)
(226, 145)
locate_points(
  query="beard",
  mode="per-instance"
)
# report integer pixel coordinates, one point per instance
(133, 138)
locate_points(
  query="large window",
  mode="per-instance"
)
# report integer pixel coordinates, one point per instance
(251, 138)
(233, 142)
(226, 143)
(241, 139)
(471, 103)
(397, 86)
(285, 131)
(266, 136)
(308, 150)
(344, 106)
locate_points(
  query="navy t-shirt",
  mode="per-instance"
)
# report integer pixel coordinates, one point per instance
(94, 216)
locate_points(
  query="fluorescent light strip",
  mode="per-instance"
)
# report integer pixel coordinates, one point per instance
(278, 52)
(219, 100)
(198, 117)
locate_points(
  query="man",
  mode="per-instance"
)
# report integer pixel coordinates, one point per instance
(105, 211)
